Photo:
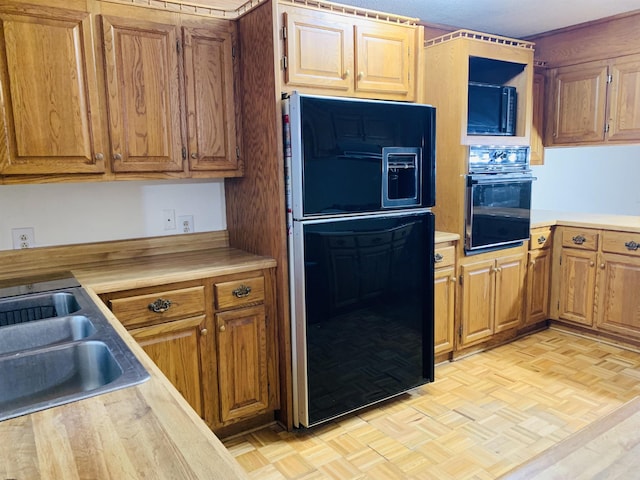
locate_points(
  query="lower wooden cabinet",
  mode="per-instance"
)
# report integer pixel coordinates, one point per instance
(213, 339)
(444, 289)
(180, 349)
(538, 277)
(577, 262)
(491, 297)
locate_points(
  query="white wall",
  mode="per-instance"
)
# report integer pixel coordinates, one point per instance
(602, 179)
(68, 213)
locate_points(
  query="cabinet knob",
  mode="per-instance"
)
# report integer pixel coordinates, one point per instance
(452, 279)
(347, 72)
(117, 157)
(99, 157)
(194, 155)
(533, 262)
(591, 264)
(360, 75)
(437, 258)
(222, 328)
(204, 331)
(602, 266)
(541, 239)
(160, 305)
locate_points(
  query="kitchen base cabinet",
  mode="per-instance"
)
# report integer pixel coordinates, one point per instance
(444, 289)
(538, 277)
(177, 349)
(577, 262)
(491, 297)
(242, 363)
(215, 341)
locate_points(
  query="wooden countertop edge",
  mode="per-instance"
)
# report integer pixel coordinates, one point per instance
(442, 237)
(620, 223)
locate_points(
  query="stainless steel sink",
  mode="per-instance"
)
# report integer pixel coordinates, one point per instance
(42, 376)
(36, 307)
(51, 331)
(57, 347)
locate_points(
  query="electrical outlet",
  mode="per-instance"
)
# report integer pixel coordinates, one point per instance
(185, 224)
(23, 238)
(169, 219)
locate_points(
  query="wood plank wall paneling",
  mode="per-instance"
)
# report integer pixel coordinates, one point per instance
(18, 263)
(612, 37)
(255, 202)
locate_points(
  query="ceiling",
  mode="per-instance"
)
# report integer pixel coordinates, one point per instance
(511, 18)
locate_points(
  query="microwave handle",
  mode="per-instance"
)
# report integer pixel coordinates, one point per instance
(504, 111)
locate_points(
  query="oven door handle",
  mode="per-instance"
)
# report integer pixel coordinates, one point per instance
(474, 180)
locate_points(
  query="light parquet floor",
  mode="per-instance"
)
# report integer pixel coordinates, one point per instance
(483, 416)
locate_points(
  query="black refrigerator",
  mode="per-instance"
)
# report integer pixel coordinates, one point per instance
(360, 187)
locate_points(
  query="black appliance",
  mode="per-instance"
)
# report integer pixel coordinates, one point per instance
(360, 185)
(498, 198)
(491, 109)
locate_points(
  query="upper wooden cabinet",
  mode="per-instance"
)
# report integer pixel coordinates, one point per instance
(143, 94)
(336, 54)
(209, 75)
(594, 102)
(153, 97)
(50, 115)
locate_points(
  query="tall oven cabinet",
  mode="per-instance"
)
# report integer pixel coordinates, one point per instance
(490, 284)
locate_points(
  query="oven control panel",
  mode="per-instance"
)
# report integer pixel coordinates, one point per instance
(496, 159)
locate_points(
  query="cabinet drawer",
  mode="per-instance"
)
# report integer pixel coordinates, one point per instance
(444, 256)
(580, 238)
(239, 292)
(621, 242)
(540, 238)
(169, 305)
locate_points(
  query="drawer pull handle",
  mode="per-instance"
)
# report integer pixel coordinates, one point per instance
(438, 258)
(160, 305)
(633, 246)
(242, 291)
(541, 239)
(579, 239)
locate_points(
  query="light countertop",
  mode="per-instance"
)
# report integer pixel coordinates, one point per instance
(543, 218)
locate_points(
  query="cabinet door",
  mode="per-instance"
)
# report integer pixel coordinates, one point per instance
(444, 300)
(319, 50)
(384, 60)
(624, 102)
(537, 284)
(49, 114)
(177, 348)
(242, 363)
(577, 285)
(478, 283)
(578, 103)
(143, 95)
(509, 292)
(537, 122)
(210, 95)
(619, 303)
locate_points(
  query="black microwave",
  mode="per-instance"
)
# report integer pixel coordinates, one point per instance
(491, 109)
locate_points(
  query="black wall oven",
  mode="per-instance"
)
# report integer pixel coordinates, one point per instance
(498, 198)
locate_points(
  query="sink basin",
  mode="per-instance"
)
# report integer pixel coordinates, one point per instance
(56, 347)
(59, 373)
(52, 331)
(36, 307)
